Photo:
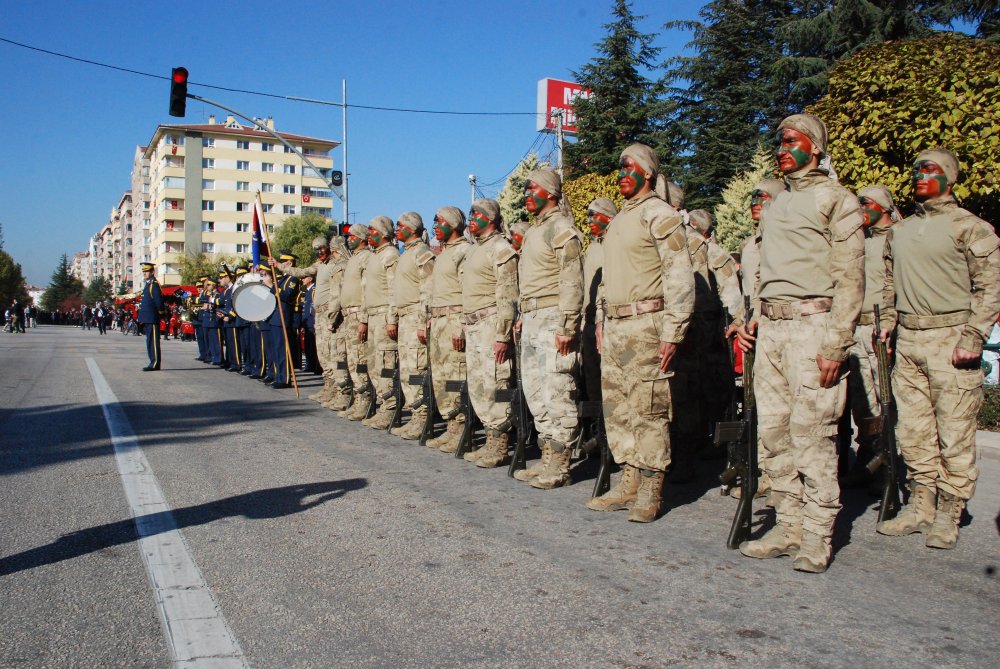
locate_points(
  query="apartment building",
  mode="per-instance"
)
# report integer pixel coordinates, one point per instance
(141, 219)
(201, 184)
(80, 267)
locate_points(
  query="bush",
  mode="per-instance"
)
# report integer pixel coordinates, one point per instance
(989, 412)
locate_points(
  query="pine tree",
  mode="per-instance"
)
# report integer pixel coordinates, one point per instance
(62, 286)
(730, 96)
(511, 198)
(732, 216)
(622, 108)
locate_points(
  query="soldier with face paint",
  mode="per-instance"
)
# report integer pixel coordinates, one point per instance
(810, 292)
(647, 300)
(763, 193)
(599, 215)
(356, 339)
(551, 302)
(517, 232)
(942, 292)
(446, 332)
(489, 295)
(379, 320)
(411, 295)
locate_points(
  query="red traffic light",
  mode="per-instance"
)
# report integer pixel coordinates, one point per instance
(180, 75)
(178, 91)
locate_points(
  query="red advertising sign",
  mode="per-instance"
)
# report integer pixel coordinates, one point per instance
(553, 95)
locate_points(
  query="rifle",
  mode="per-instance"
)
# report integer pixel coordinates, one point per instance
(884, 425)
(362, 368)
(348, 387)
(595, 410)
(464, 406)
(741, 438)
(397, 392)
(519, 409)
(427, 386)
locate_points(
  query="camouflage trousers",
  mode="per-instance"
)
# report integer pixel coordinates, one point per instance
(327, 348)
(485, 375)
(549, 378)
(637, 398)
(862, 382)
(357, 352)
(447, 364)
(412, 354)
(798, 422)
(937, 405)
(381, 355)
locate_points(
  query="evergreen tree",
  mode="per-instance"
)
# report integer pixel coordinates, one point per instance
(62, 286)
(11, 281)
(511, 198)
(99, 290)
(733, 223)
(623, 105)
(725, 95)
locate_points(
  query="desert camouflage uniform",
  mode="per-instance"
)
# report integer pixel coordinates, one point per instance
(551, 301)
(411, 294)
(333, 319)
(811, 285)
(646, 261)
(942, 278)
(593, 274)
(351, 299)
(321, 271)
(447, 364)
(750, 262)
(378, 312)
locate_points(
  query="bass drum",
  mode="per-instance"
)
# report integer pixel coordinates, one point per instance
(254, 302)
(250, 277)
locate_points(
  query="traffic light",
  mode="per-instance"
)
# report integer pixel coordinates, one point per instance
(337, 178)
(178, 91)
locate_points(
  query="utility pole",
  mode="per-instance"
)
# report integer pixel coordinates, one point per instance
(558, 113)
(344, 145)
(472, 182)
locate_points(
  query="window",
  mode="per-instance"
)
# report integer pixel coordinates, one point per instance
(267, 167)
(242, 227)
(288, 189)
(208, 205)
(288, 209)
(242, 144)
(268, 208)
(208, 247)
(208, 184)
(267, 188)
(288, 169)
(242, 206)
(243, 186)
(208, 142)
(288, 150)
(243, 164)
(208, 163)
(243, 248)
(208, 226)
(267, 146)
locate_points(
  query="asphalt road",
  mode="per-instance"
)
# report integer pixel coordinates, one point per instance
(326, 544)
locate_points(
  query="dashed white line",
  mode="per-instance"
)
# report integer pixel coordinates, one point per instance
(197, 633)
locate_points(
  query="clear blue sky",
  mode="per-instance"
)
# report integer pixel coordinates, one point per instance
(71, 129)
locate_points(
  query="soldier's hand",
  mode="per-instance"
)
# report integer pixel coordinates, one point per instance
(667, 351)
(829, 371)
(564, 345)
(884, 335)
(518, 324)
(422, 336)
(272, 262)
(730, 331)
(392, 331)
(501, 350)
(458, 343)
(746, 335)
(599, 333)
(363, 332)
(964, 359)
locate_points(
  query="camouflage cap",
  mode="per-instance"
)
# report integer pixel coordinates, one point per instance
(454, 216)
(603, 205)
(547, 179)
(382, 224)
(880, 195)
(412, 220)
(770, 186)
(337, 243)
(701, 220)
(318, 242)
(489, 208)
(810, 126)
(675, 195)
(644, 155)
(947, 160)
(358, 230)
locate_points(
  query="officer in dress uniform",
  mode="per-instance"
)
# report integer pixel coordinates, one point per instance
(194, 309)
(286, 290)
(149, 314)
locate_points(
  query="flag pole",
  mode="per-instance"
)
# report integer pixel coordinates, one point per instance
(281, 312)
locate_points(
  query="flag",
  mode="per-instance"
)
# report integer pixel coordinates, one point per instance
(257, 243)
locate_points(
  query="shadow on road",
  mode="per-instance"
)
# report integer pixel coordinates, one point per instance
(270, 503)
(61, 433)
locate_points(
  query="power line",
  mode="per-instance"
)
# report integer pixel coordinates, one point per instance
(127, 70)
(538, 138)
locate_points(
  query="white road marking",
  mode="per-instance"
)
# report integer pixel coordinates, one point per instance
(197, 633)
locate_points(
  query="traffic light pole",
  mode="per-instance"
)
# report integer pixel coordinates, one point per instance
(261, 126)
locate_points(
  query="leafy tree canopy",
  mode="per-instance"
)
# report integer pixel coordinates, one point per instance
(583, 190)
(296, 234)
(511, 198)
(194, 267)
(11, 281)
(889, 102)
